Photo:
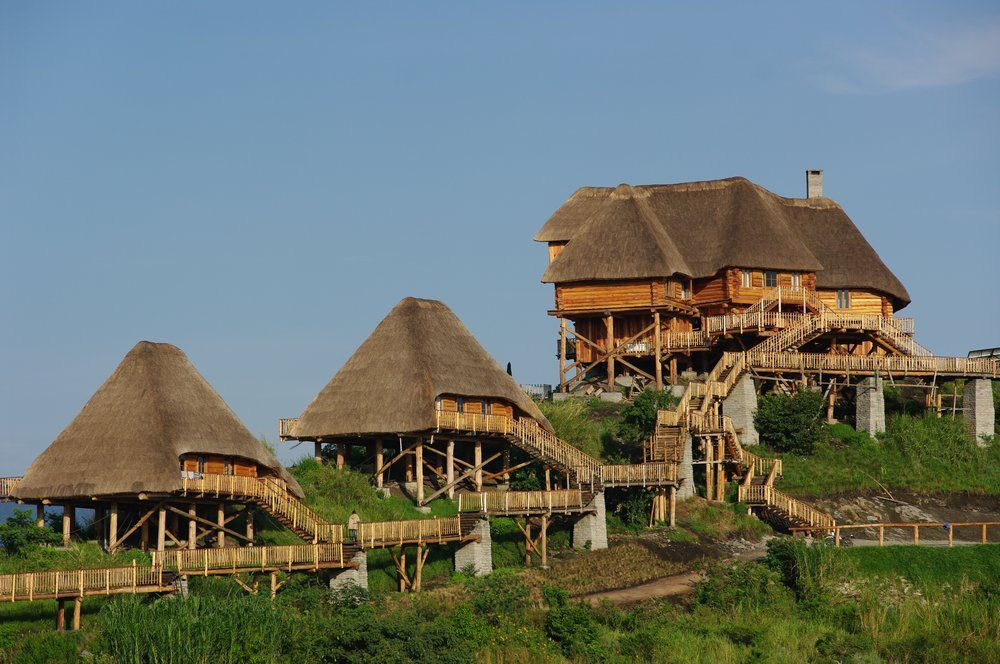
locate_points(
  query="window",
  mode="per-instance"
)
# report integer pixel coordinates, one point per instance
(771, 279)
(746, 278)
(843, 299)
(685, 292)
(796, 281)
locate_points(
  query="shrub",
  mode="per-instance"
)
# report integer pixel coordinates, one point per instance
(742, 585)
(812, 571)
(638, 419)
(790, 423)
(574, 628)
(498, 596)
(20, 535)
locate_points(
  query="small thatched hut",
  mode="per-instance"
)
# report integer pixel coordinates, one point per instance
(152, 423)
(420, 360)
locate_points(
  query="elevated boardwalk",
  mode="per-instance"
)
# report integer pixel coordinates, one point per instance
(522, 503)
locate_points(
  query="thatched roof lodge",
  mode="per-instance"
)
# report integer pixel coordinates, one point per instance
(419, 357)
(152, 417)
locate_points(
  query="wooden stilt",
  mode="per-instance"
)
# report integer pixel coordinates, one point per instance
(69, 516)
(709, 469)
(609, 324)
(658, 345)
(100, 526)
(318, 451)
(545, 541)
(562, 356)
(77, 607)
(673, 507)
(673, 370)
(409, 465)
(144, 536)
(379, 473)
(220, 518)
(548, 479)
(341, 454)
(478, 461)
(506, 464)
(720, 473)
(161, 531)
(113, 527)
(192, 526)
(274, 584)
(61, 615)
(249, 514)
(527, 542)
(450, 468)
(40, 515)
(402, 571)
(418, 454)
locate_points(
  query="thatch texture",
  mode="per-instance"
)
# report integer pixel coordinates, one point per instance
(389, 386)
(695, 229)
(129, 437)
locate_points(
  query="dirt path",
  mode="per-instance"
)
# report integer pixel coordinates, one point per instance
(668, 586)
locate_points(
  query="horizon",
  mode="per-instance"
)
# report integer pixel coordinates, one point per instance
(260, 187)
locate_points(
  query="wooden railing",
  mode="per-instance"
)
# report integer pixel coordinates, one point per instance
(531, 435)
(286, 427)
(899, 364)
(680, 340)
(913, 526)
(638, 474)
(29, 586)
(272, 494)
(521, 501)
(763, 494)
(7, 485)
(397, 533)
(235, 559)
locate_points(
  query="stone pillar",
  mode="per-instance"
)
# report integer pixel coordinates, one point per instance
(478, 554)
(977, 404)
(352, 576)
(739, 406)
(685, 471)
(870, 406)
(592, 527)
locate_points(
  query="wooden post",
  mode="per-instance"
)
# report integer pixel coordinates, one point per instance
(318, 451)
(831, 400)
(477, 461)
(249, 515)
(341, 454)
(419, 573)
(220, 518)
(836, 536)
(192, 526)
(450, 468)
(548, 478)
(274, 584)
(69, 516)
(720, 472)
(402, 569)
(161, 531)
(379, 460)
(61, 615)
(418, 453)
(951, 535)
(916, 534)
(658, 344)
(113, 527)
(983, 533)
(409, 466)
(77, 605)
(562, 356)
(144, 536)
(881, 535)
(506, 464)
(709, 469)
(527, 541)
(673, 506)
(609, 324)
(673, 370)
(100, 525)
(545, 541)
(40, 515)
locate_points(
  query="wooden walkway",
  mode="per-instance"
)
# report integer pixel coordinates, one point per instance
(521, 503)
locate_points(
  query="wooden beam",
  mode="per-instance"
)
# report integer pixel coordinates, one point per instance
(465, 475)
(379, 459)
(113, 527)
(215, 526)
(161, 527)
(419, 462)
(609, 324)
(450, 469)
(477, 459)
(507, 471)
(658, 346)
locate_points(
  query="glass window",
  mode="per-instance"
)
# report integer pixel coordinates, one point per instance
(843, 299)
(746, 278)
(771, 279)
(796, 281)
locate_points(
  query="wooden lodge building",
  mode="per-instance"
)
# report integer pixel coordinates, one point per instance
(650, 280)
(408, 401)
(160, 457)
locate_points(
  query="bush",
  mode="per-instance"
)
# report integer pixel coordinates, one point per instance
(638, 419)
(742, 585)
(790, 423)
(498, 596)
(20, 535)
(574, 628)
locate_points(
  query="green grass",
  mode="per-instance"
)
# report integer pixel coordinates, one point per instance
(587, 424)
(924, 454)
(926, 567)
(79, 555)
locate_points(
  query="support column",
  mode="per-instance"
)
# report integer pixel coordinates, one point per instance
(450, 468)
(720, 471)
(477, 461)
(40, 516)
(658, 345)
(318, 451)
(144, 535)
(341, 454)
(113, 527)
(592, 527)
(685, 471)
(870, 406)
(192, 526)
(61, 615)
(352, 576)
(609, 324)
(739, 406)
(545, 541)
(77, 606)
(505, 459)
(161, 530)
(476, 555)
(418, 453)
(68, 523)
(709, 449)
(220, 518)
(249, 515)
(673, 507)
(978, 408)
(831, 399)
(562, 356)
(379, 460)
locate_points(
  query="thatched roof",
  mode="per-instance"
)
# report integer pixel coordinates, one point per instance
(130, 436)
(418, 352)
(697, 228)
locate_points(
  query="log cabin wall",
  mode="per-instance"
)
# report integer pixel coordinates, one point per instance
(555, 248)
(625, 327)
(221, 465)
(861, 302)
(452, 404)
(617, 295)
(742, 295)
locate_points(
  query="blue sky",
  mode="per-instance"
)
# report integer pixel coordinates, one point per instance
(260, 183)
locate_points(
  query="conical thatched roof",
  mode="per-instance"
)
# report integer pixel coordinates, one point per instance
(389, 386)
(697, 228)
(130, 436)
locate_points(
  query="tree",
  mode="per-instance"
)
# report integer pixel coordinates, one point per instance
(20, 534)
(790, 423)
(638, 419)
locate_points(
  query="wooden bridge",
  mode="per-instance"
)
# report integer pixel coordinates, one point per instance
(507, 503)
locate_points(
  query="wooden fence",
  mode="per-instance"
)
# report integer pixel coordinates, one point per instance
(30, 586)
(520, 502)
(913, 526)
(236, 559)
(410, 531)
(7, 485)
(762, 494)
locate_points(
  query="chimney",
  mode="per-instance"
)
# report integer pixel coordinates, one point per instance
(814, 183)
